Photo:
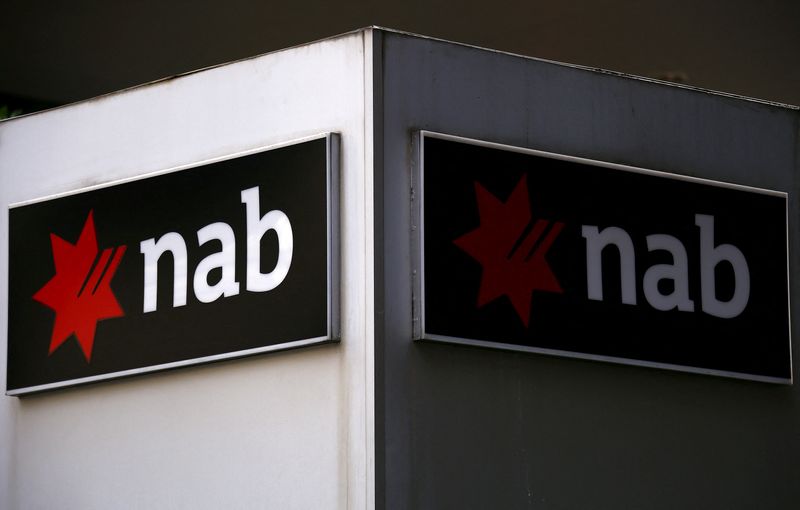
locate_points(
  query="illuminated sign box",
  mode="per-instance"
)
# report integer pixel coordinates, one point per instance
(540, 252)
(217, 260)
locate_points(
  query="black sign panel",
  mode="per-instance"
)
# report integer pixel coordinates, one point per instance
(540, 252)
(223, 260)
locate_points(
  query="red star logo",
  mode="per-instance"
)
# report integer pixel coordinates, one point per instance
(511, 248)
(79, 292)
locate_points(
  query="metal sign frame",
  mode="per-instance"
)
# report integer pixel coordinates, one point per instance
(333, 141)
(418, 197)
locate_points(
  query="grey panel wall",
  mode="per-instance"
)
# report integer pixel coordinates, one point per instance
(464, 427)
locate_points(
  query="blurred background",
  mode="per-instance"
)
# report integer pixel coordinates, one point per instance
(58, 52)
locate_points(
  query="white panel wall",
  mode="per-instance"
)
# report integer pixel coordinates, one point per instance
(285, 430)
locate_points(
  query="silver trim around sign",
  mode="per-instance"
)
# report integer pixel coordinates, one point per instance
(609, 359)
(156, 173)
(167, 366)
(333, 149)
(418, 258)
(605, 164)
(334, 141)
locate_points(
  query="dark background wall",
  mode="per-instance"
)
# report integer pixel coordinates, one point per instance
(57, 52)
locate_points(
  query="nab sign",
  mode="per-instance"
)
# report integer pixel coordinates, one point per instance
(540, 252)
(227, 259)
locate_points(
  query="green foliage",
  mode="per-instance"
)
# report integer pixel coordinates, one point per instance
(7, 113)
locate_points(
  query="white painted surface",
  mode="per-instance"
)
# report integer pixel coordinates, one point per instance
(285, 430)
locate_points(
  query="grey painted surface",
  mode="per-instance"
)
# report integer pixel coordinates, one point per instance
(477, 428)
